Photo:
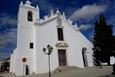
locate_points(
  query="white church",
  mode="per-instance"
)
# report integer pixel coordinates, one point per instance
(70, 46)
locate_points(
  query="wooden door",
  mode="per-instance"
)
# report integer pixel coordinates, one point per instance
(62, 57)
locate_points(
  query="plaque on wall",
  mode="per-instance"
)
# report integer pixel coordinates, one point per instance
(62, 44)
(59, 22)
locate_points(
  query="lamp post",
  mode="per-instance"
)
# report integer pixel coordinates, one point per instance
(48, 50)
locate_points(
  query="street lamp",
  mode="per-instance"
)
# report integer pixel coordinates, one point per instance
(48, 50)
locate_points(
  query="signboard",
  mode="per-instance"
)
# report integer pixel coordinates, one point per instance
(24, 60)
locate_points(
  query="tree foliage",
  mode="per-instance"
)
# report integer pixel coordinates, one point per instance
(102, 41)
(4, 67)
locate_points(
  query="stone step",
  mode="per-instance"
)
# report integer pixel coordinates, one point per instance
(65, 68)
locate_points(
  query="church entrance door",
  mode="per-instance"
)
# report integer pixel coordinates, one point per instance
(27, 70)
(62, 57)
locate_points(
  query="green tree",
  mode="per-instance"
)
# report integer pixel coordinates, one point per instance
(113, 46)
(102, 41)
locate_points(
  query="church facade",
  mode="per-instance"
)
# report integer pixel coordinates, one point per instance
(70, 46)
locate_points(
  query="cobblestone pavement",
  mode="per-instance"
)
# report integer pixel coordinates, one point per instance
(87, 72)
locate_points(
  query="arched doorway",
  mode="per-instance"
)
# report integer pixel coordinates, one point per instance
(27, 71)
(84, 49)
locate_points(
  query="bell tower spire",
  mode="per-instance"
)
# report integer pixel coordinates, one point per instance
(21, 3)
(27, 13)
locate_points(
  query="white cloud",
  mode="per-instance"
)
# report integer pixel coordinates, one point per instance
(88, 12)
(6, 19)
(8, 36)
(85, 26)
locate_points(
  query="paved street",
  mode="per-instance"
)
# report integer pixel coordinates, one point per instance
(87, 72)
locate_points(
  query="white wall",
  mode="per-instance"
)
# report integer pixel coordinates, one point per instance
(46, 34)
(76, 42)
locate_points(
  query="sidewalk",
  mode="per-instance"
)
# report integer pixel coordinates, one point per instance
(87, 72)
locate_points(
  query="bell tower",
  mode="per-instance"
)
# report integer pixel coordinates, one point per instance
(27, 13)
(26, 40)
(27, 16)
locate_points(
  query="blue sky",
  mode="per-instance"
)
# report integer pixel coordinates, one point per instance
(82, 12)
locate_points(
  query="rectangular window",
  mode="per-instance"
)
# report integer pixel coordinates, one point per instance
(60, 34)
(31, 45)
